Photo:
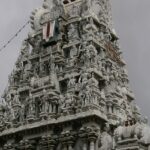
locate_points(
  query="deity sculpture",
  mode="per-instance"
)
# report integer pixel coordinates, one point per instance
(72, 33)
(86, 5)
(106, 142)
(118, 131)
(25, 49)
(72, 82)
(44, 102)
(83, 80)
(92, 81)
(73, 51)
(67, 102)
(86, 96)
(93, 53)
(16, 99)
(73, 11)
(30, 106)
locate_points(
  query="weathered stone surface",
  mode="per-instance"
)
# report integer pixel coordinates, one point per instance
(69, 88)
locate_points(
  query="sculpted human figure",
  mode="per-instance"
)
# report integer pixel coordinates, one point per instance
(86, 5)
(87, 57)
(44, 102)
(72, 33)
(61, 102)
(118, 133)
(106, 142)
(92, 81)
(93, 53)
(36, 69)
(30, 105)
(83, 80)
(9, 114)
(94, 98)
(66, 102)
(52, 62)
(99, 63)
(16, 74)
(103, 95)
(1, 119)
(73, 51)
(72, 82)
(16, 99)
(69, 100)
(101, 35)
(87, 95)
(74, 11)
(25, 48)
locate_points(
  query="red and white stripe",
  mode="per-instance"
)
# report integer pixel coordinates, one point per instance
(48, 30)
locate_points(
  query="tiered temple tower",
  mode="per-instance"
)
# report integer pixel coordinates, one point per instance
(69, 89)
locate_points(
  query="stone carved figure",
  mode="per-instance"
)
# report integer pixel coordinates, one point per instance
(15, 75)
(145, 132)
(61, 102)
(93, 53)
(132, 129)
(92, 81)
(99, 64)
(103, 94)
(86, 96)
(2, 121)
(85, 8)
(118, 133)
(30, 106)
(25, 48)
(106, 142)
(16, 99)
(52, 62)
(72, 82)
(67, 101)
(74, 11)
(17, 114)
(73, 51)
(57, 9)
(44, 102)
(86, 58)
(72, 33)
(83, 80)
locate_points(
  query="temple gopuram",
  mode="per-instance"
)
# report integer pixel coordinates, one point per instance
(69, 89)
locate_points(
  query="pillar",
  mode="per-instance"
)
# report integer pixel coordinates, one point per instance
(54, 108)
(51, 147)
(92, 145)
(50, 108)
(65, 147)
(109, 108)
(70, 147)
(85, 146)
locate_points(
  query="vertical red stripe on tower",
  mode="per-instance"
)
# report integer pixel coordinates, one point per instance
(48, 30)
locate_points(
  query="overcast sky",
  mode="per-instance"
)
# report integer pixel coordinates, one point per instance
(131, 21)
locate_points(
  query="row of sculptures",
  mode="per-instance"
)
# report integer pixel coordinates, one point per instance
(107, 139)
(133, 129)
(84, 9)
(87, 84)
